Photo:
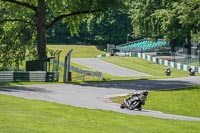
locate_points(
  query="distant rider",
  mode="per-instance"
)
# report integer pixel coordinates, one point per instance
(168, 71)
(191, 71)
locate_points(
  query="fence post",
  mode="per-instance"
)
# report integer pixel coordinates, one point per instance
(56, 60)
(67, 66)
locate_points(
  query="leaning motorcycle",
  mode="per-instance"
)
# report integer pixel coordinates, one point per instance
(135, 103)
(168, 73)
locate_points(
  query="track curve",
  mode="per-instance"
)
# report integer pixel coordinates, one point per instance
(92, 95)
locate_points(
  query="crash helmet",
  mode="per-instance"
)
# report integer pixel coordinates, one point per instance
(145, 92)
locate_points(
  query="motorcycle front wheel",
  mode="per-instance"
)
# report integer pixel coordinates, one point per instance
(134, 105)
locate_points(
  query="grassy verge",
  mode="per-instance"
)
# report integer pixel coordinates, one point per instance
(182, 101)
(138, 64)
(141, 65)
(79, 51)
(22, 116)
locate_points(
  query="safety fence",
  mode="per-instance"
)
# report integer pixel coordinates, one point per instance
(103, 55)
(85, 73)
(29, 76)
(172, 64)
(187, 59)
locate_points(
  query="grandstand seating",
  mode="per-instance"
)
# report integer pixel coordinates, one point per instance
(143, 45)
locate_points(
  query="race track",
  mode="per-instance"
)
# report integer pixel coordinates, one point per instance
(96, 95)
(108, 68)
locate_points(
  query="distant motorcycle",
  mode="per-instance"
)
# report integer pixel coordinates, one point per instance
(134, 102)
(168, 72)
(191, 72)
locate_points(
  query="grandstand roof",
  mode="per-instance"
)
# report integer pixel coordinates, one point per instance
(142, 45)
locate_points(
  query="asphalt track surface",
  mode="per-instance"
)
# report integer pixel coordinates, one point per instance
(96, 95)
(108, 68)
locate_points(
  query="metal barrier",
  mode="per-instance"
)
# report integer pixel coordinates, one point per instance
(67, 74)
(172, 64)
(29, 76)
(85, 73)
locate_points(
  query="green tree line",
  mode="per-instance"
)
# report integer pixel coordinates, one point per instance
(30, 24)
(110, 28)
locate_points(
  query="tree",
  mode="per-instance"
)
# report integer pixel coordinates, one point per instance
(174, 20)
(142, 22)
(111, 28)
(189, 16)
(40, 15)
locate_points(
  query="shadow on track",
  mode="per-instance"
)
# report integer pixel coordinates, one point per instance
(144, 84)
(22, 88)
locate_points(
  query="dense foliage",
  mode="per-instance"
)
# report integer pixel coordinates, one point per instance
(175, 20)
(26, 23)
(110, 28)
(28, 20)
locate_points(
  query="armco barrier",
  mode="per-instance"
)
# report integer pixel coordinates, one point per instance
(28, 76)
(179, 66)
(166, 62)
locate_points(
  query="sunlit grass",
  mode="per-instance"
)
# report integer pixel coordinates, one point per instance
(182, 102)
(141, 65)
(138, 64)
(79, 51)
(21, 116)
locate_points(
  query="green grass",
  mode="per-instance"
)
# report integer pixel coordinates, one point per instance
(141, 65)
(138, 64)
(21, 116)
(181, 101)
(79, 51)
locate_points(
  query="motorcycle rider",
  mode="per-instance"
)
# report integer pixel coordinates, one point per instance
(191, 71)
(135, 96)
(168, 71)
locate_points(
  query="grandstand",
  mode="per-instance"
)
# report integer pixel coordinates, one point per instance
(143, 45)
(159, 49)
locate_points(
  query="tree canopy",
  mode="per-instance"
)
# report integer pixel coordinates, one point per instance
(40, 15)
(170, 19)
(26, 23)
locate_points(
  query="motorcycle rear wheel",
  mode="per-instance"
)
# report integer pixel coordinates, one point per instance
(122, 106)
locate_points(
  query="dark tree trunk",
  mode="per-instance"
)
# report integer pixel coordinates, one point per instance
(41, 30)
(172, 44)
(188, 42)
